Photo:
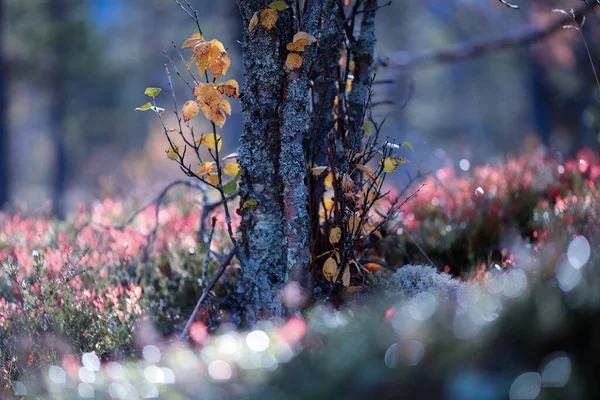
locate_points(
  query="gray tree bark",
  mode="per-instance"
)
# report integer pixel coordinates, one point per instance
(263, 248)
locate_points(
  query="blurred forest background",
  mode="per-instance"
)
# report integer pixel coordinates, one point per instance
(73, 71)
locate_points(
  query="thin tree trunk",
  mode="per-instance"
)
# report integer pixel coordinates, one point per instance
(59, 100)
(293, 159)
(4, 133)
(263, 252)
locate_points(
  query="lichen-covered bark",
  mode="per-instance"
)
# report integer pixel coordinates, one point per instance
(263, 249)
(295, 117)
(363, 52)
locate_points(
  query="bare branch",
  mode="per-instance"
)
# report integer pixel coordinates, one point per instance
(224, 264)
(524, 36)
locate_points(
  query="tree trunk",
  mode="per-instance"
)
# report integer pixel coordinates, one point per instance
(263, 252)
(4, 133)
(58, 10)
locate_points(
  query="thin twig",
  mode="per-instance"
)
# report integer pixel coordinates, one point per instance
(520, 37)
(224, 264)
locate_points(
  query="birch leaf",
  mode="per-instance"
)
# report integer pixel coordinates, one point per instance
(316, 171)
(346, 276)
(268, 18)
(231, 169)
(407, 145)
(298, 45)
(212, 178)
(391, 163)
(190, 110)
(152, 91)
(335, 234)
(278, 5)
(144, 107)
(293, 61)
(310, 39)
(329, 269)
(353, 224)
(204, 168)
(253, 22)
(173, 152)
(193, 41)
(229, 88)
(211, 140)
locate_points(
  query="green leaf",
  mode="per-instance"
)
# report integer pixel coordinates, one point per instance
(145, 107)
(231, 186)
(367, 128)
(408, 145)
(278, 5)
(152, 91)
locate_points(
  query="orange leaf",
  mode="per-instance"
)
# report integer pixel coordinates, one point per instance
(204, 168)
(293, 61)
(213, 179)
(268, 18)
(210, 99)
(193, 41)
(298, 45)
(229, 88)
(190, 110)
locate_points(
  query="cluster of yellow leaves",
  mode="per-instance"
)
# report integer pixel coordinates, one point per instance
(299, 42)
(268, 16)
(209, 99)
(211, 55)
(331, 269)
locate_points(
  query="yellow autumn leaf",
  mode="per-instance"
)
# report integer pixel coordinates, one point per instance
(346, 276)
(391, 163)
(231, 169)
(226, 106)
(329, 269)
(190, 110)
(335, 234)
(328, 204)
(268, 18)
(211, 140)
(253, 22)
(229, 88)
(250, 203)
(293, 61)
(316, 171)
(298, 45)
(211, 55)
(346, 2)
(204, 168)
(353, 224)
(173, 152)
(193, 41)
(303, 35)
(210, 100)
(278, 5)
(212, 178)
(329, 180)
